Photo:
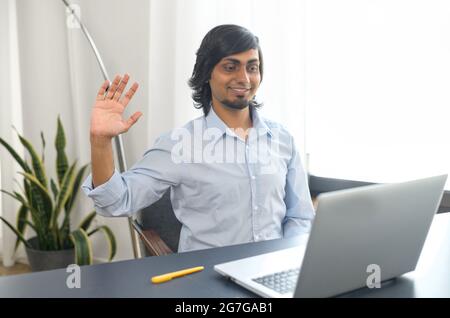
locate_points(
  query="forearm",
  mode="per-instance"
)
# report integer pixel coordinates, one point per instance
(102, 160)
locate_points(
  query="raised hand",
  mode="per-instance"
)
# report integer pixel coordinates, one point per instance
(107, 114)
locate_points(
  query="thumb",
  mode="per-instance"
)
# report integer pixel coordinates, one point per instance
(133, 119)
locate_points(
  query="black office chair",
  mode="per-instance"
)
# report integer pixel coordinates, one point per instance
(158, 227)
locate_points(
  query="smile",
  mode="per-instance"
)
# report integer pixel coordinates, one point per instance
(239, 90)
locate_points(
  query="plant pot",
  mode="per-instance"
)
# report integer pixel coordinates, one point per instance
(47, 260)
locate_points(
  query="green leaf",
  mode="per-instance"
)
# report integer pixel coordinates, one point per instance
(30, 225)
(19, 236)
(42, 202)
(110, 239)
(61, 157)
(83, 249)
(65, 228)
(47, 200)
(18, 197)
(43, 147)
(41, 231)
(22, 217)
(76, 187)
(64, 193)
(16, 156)
(35, 204)
(54, 189)
(38, 167)
(86, 223)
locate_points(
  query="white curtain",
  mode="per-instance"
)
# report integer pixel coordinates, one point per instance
(378, 74)
(11, 115)
(155, 42)
(176, 30)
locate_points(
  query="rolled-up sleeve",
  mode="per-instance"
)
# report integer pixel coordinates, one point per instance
(299, 207)
(140, 186)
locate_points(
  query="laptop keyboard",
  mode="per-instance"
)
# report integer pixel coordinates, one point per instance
(281, 282)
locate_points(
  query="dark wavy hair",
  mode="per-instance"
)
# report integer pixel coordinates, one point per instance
(221, 41)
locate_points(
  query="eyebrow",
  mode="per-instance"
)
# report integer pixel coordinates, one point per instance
(230, 59)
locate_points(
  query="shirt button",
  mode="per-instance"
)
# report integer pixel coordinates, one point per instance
(255, 208)
(253, 177)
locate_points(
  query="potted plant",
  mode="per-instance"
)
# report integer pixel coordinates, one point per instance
(46, 208)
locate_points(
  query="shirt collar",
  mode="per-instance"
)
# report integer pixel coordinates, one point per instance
(213, 121)
(259, 123)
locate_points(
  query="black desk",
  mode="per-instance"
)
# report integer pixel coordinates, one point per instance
(131, 278)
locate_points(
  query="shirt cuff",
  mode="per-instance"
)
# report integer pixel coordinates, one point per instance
(105, 194)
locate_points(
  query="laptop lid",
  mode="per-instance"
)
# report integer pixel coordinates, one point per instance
(373, 227)
(378, 225)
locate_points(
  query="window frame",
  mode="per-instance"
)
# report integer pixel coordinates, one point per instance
(318, 185)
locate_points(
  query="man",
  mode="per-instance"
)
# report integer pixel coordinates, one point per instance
(234, 177)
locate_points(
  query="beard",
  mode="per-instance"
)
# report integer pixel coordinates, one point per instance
(239, 104)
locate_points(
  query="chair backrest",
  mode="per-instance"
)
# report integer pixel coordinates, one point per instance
(159, 219)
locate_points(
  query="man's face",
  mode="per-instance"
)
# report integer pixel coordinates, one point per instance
(235, 79)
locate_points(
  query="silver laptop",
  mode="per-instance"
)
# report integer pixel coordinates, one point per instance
(355, 231)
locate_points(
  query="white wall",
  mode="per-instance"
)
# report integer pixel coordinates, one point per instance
(49, 51)
(377, 76)
(121, 36)
(11, 114)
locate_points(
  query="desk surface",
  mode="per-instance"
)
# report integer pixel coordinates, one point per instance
(131, 278)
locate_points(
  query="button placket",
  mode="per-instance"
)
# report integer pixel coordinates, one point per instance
(253, 194)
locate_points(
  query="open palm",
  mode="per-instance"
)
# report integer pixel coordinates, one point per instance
(107, 114)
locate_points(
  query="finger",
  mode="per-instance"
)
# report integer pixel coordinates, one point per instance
(129, 95)
(102, 90)
(113, 87)
(121, 87)
(133, 119)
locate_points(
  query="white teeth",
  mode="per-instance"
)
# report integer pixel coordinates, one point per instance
(240, 90)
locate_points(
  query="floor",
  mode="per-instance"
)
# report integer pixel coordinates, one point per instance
(18, 268)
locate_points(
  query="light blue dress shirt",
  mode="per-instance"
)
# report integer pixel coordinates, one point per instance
(224, 190)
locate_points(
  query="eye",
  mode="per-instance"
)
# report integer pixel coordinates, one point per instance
(229, 67)
(253, 68)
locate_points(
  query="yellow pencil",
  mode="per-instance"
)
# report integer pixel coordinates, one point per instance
(166, 277)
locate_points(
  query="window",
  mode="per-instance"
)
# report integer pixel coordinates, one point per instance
(377, 89)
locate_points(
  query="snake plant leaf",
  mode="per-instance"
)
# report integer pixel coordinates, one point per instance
(30, 225)
(109, 238)
(34, 213)
(19, 236)
(48, 204)
(41, 200)
(65, 227)
(43, 147)
(86, 222)
(76, 188)
(16, 156)
(83, 249)
(18, 197)
(64, 193)
(38, 167)
(61, 158)
(37, 206)
(22, 217)
(54, 188)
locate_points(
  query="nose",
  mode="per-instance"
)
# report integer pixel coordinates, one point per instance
(242, 76)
